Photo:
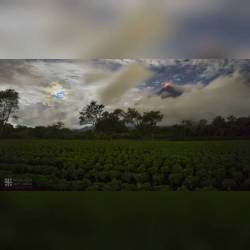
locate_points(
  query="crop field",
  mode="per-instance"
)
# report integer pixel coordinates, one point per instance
(121, 165)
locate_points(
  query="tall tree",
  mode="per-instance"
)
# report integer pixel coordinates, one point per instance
(219, 125)
(133, 117)
(111, 122)
(149, 122)
(219, 122)
(151, 118)
(9, 104)
(91, 114)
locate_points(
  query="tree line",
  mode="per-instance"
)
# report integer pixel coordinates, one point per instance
(99, 123)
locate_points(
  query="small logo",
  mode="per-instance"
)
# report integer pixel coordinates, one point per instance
(8, 182)
(17, 184)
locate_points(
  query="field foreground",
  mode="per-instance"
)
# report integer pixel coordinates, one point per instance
(126, 165)
(125, 220)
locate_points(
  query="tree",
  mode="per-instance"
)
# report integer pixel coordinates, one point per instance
(120, 114)
(9, 104)
(219, 122)
(149, 121)
(91, 114)
(219, 125)
(200, 129)
(187, 123)
(58, 126)
(151, 118)
(111, 122)
(203, 123)
(133, 118)
(231, 120)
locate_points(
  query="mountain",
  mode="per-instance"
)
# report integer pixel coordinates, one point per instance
(168, 90)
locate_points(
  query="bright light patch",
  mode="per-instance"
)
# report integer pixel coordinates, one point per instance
(167, 85)
(59, 94)
(56, 92)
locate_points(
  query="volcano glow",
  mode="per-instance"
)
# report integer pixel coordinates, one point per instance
(56, 90)
(167, 85)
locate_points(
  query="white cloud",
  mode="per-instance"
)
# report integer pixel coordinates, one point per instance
(227, 95)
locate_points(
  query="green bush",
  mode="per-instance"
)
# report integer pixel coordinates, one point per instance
(128, 165)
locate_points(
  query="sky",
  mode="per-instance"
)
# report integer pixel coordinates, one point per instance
(57, 90)
(124, 29)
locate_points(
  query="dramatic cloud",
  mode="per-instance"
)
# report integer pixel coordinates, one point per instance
(227, 95)
(127, 78)
(124, 28)
(56, 90)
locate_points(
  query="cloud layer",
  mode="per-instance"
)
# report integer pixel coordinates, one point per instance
(124, 83)
(227, 95)
(124, 28)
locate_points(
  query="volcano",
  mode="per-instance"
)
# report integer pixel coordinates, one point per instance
(168, 90)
